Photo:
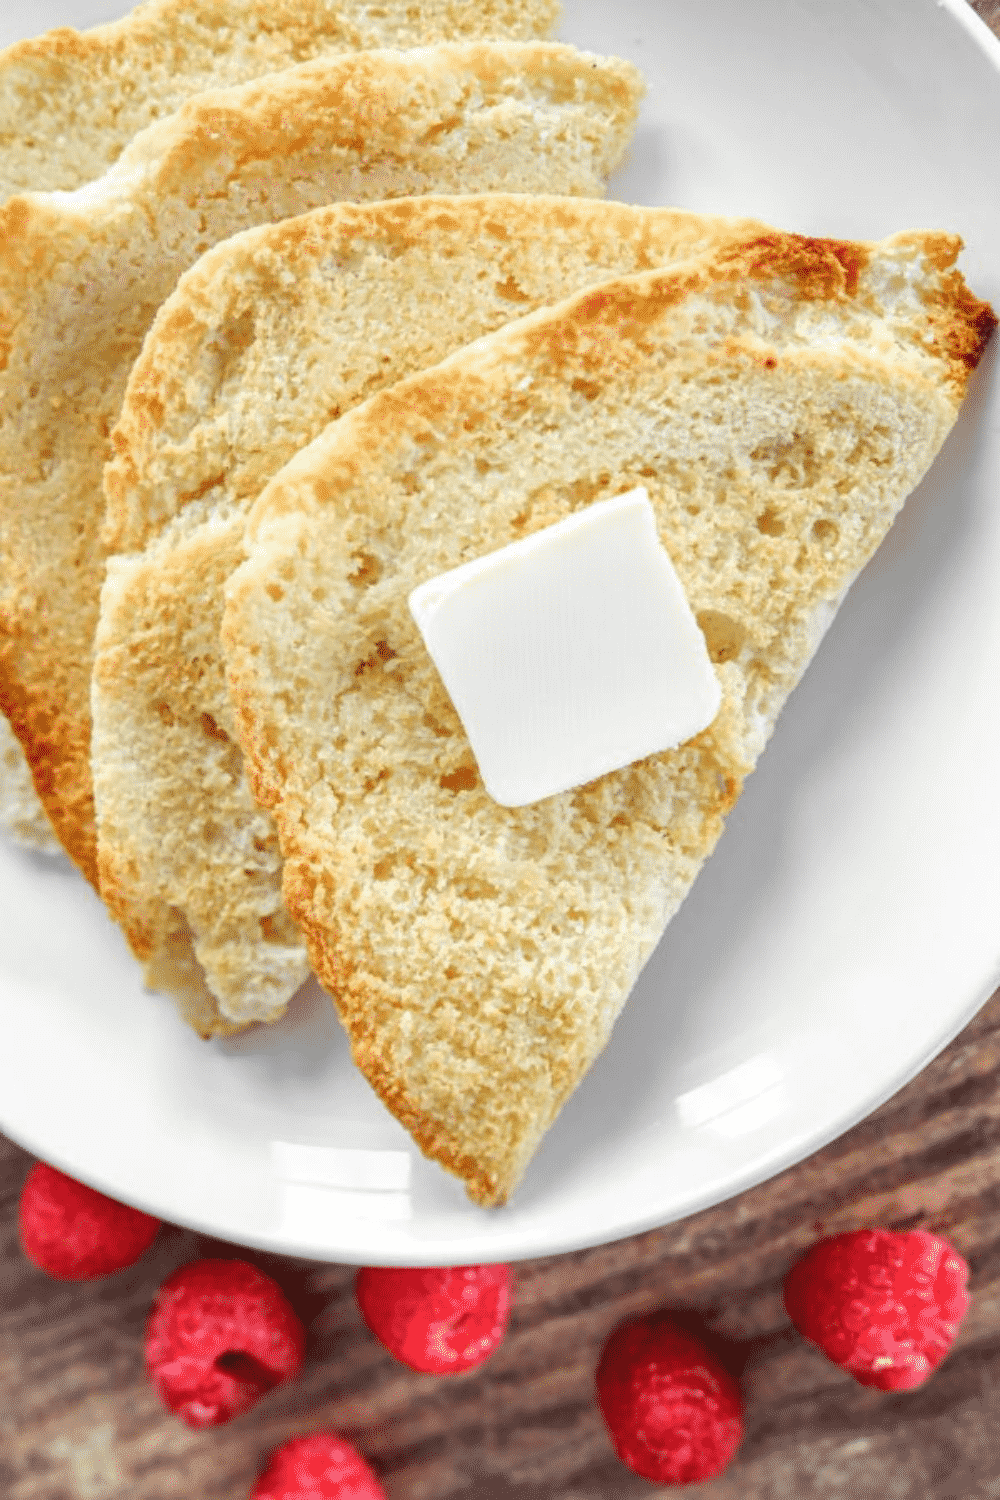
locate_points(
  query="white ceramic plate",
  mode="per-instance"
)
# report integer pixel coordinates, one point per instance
(849, 923)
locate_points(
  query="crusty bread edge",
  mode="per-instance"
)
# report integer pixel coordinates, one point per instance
(151, 22)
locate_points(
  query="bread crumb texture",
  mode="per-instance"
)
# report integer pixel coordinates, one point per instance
(70, 102)
(778, 399)
(269, 337)
(82, 275)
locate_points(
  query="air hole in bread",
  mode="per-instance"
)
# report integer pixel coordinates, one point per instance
(826, 532)
(214, 481)
(213, 729)
(586, 491)
(453, 122)
(436, 727)
(586, 388)
(368, 571)
(276, 927)
(510, 291)
(477, 890)
(462, 779)
(770, 522)
(788, 460)
(724, 636)
(240, 333)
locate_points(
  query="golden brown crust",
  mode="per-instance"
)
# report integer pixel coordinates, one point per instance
(959, 323)
(382, 97)
(963, 326)
(819, 268)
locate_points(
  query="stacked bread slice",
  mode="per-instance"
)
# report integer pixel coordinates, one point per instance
(269, 337)
(71, 102)
(82, 275)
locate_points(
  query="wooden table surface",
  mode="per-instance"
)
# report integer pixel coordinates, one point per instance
(78, 1420)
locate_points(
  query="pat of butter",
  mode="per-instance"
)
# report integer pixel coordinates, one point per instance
(570, 653)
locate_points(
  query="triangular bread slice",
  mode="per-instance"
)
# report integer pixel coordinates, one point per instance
(778, 400)
(82, 275)
(70, 102)
(267, 338)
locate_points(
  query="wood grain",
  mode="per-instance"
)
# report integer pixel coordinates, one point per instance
(78, 1420)
(989, 10)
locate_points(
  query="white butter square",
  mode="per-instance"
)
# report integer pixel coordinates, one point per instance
(570, 653)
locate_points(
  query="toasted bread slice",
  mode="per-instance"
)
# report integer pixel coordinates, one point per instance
(267, 338)
(778, 400)
(82, 275)
(70, 102)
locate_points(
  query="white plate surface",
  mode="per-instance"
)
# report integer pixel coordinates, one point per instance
(849, 923)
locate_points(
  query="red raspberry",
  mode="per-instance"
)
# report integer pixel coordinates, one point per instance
(438, 1319)
(321, 1467)
(75, 1233)
(219, 1337)
(674, 1414)
(883, 1306)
